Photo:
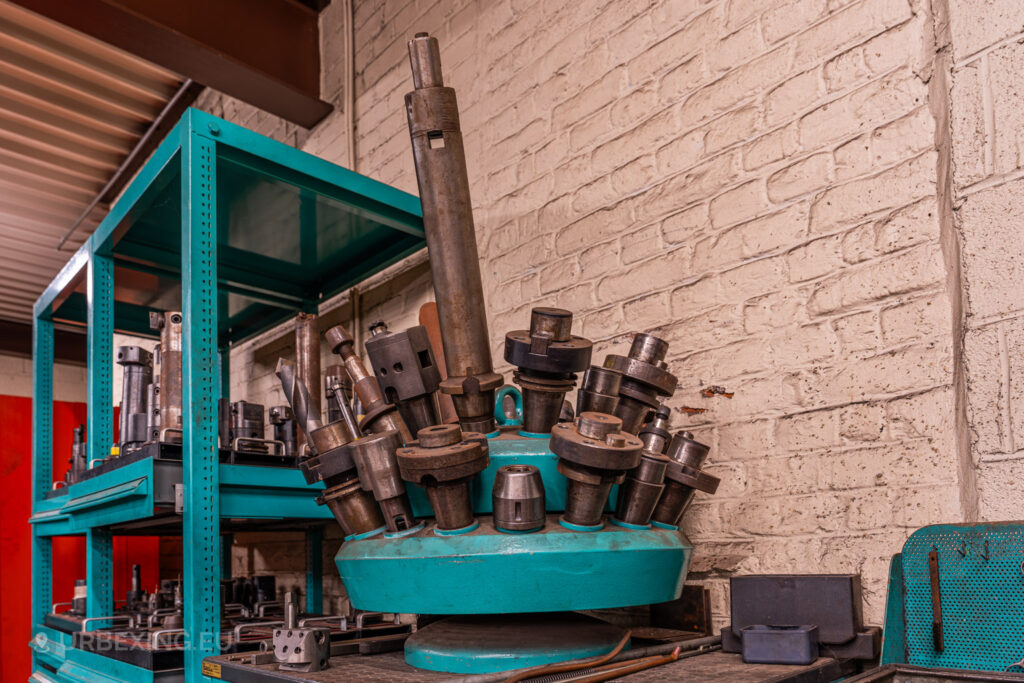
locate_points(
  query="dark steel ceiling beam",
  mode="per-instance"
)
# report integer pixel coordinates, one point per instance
(264, 52)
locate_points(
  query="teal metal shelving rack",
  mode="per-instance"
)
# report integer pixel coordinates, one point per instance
(241, 232)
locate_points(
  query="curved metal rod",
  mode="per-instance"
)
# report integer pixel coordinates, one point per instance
(252, 625)
(154, 638)
(575, 665)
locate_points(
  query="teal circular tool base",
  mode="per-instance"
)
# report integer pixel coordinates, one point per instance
(458, 532)
(519, 531)
(580, 527)
(662, 525)
(627, 525)
(365, 534)
(493, 435)
(404, 532)
(485, 571)
(488, 644)
(533, 435)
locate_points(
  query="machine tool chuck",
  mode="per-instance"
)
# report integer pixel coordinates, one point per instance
(135, 594)
(547, 357)
(599, 391)
(593, 453)
(138, 375)
(655, 433)
(440, 161)
(518, 499)
(377, 465)
(683, 478)
(645, 377)
(443, 460)
(379, 416)
(407, 372)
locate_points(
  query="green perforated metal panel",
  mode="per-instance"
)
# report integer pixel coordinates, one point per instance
(981, 576)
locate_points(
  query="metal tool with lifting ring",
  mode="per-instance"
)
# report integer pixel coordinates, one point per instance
(492, 552)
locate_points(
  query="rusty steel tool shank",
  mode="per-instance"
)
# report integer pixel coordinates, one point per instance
(518, 499)
(599, 391)
(547, 356)
(641, 490)
(655, 433)
(285, 429)
(330, 461)
(378, 414)
(593, 453)
(645, 377)
(407, 372)
(137, 365)
(169, 325)
(377, 465)
(443, 460)
(336, 376)
(440, 161)
(307, 360)
(683, 478)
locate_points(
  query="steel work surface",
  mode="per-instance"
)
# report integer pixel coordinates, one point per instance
(391, 668)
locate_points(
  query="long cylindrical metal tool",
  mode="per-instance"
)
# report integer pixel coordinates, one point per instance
(297, 395)
(451, 238)
(307, 361)
(137, 364)
(169, 325)
(378, 415)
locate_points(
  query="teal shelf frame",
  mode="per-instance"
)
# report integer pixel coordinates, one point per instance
(241, 232)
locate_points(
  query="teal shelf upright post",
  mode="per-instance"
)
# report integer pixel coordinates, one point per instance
(99, 573)
(42, 466)
(315, 570)
(99, 555)
(201, 375)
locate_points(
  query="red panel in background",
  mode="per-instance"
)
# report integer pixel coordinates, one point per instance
(16, 537)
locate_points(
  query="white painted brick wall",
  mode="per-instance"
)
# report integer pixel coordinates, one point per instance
(756, 181)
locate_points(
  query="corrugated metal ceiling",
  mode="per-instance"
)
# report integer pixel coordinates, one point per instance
(71, 109)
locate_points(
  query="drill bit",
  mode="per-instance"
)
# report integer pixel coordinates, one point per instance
(297, 393)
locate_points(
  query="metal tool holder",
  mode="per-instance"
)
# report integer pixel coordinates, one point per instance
(239, 233)
(569, 555)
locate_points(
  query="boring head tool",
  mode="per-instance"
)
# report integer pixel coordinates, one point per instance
(440, 161)
(379, 415)
(639, 493)
(599, 391)
(407, 372)
(79, 598)
(645, 377)
(683, 478)
(169, 325)
(377, 465)
(307, 359)
(137, 363)
(518, 499)
(593, 453)
(301, 649)
(336, 376)
(655, 432)
(546, 356)
(285, 430)
(444, 460)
